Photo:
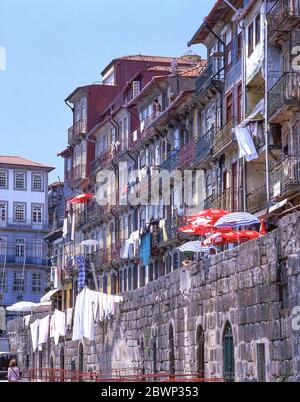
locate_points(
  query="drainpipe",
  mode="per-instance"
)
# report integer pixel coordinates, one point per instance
(266, 107)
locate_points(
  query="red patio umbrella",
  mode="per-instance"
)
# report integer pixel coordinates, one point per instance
(82, 199)
(246, 235)
(213, 214)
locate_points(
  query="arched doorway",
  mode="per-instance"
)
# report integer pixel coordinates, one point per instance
(200, 351)
(51, 365)
(228, 354)
(171, 349)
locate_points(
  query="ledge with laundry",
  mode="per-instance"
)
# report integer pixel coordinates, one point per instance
(91, 308)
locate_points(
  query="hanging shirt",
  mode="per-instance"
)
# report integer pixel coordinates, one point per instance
(81, 269)
(43, 331)
(162, 226)
(246, 144)
(34, 329)
(145, 249)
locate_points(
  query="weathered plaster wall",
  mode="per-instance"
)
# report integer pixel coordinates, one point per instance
(241, 286)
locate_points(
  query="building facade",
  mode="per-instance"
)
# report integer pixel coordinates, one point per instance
(23, 224)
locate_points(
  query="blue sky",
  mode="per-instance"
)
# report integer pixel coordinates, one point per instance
(53, 46)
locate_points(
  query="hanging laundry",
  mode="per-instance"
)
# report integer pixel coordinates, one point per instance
(135, 241)
(57, 326)
(69, 267)
(145, 249)
(73, 226)
(69, 316)
(26, 321)
(57, 278)
(81, 270)
(246, 144)
(65, 228)
(34, 330)
(163, 227)
(43, 331)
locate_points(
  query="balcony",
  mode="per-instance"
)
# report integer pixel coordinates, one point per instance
(35, 261)
(204, 147)
(171, 162)
(102, 161)
(284, 98)
(257, 200)
(79, 128)
(212, 76)
(74, 175)
(101, 257)
(186, 155)
(223, 138)
(27, 224)
(282, 18)
(285, 177)
(228, 200)
(93, 214)
(147, 131)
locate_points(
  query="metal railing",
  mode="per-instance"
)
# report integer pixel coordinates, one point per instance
(224, 137)
(285, 92)
(171, 162)
(228, 200)
(282, 15)
(204, 145)
(77, 173)
(285, 175)
(102, 161)
(80, 127)
(257, 200)
(28, 260)
(214, 71)
(126, 375)
(92, 214)
(186, 154)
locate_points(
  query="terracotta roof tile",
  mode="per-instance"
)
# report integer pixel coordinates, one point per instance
(157, 59)
(18, 160)
(192, 72)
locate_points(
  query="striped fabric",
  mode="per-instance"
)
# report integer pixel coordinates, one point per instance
(194, 246)
(81, 263)
(237, 220)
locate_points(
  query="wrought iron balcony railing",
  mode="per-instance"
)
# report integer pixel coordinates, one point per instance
(224, 137)
(102, 161)
(12, 259)
(283, 15)
(79, 128)
(214, 72)
(257, 200)
(92, 214)
(171, 162)
(228, 200)
(77, 173)
(204, 146)
(285, 94)
(187, 154)
(285, 176)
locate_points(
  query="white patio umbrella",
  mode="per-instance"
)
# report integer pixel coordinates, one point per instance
(237, 220)
(195, 247)
(21, 307)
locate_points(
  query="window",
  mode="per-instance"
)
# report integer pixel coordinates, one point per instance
(250, 39)
(20, 180)
(228, 354)
(239, 45)
(37, 213)
(20, 248)
(3, 179)
(19, 282)
(239, 102)
(3, 243)
(37, 182)
(37, 282)
(2, 281)
(229, 106)
(228, 50)
(19, 212)
(257, 29)
(3, 212)
(136, 87)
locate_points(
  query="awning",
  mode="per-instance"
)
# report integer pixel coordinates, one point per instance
(47, 296)
(278, 206)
